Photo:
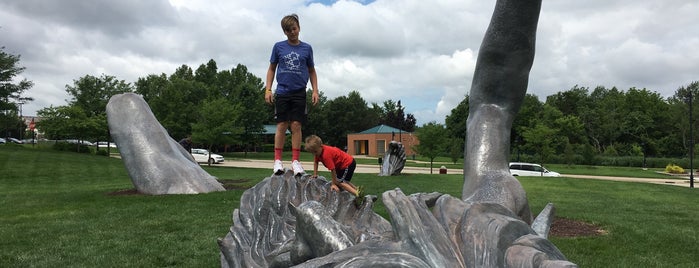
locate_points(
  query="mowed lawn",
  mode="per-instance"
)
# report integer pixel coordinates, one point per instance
(62, 209)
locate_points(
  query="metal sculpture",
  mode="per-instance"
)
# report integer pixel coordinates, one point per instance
(393, 160)
(286, 221)
(156, 163)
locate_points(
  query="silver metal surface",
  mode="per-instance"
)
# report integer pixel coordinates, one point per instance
(287, 221)
(156, 163)
(393, 160)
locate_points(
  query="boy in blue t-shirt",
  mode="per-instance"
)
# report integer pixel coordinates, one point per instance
(292, 61)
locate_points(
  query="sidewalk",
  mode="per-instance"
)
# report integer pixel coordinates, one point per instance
(308, 166)
(374, 169)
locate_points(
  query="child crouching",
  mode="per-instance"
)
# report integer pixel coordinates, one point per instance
(340, 164)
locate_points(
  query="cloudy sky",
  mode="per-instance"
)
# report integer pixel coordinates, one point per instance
(420, 52)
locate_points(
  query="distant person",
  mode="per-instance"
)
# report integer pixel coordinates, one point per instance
(187, 143)
(292, 62)
(340, 164)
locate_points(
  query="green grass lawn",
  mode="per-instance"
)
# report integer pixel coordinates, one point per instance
(58, 209)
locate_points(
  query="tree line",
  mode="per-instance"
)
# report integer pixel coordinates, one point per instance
(226, 108)
(220, 109)
(580, 125)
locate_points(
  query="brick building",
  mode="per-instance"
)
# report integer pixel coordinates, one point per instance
(374, 141)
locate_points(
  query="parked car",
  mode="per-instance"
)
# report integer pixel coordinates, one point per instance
(2, 140)
(30, 141)
(529, 169)
(104, 144)
(83, 142)
(17, 141)
(202, 156)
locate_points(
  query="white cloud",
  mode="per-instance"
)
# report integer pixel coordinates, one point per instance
(420, 52)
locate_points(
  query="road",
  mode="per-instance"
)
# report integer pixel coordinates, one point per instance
(252, 163)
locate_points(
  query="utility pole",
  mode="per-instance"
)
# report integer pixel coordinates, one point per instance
(691, 144)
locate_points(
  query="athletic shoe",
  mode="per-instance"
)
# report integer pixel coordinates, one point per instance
(278, 167)
(298, 169)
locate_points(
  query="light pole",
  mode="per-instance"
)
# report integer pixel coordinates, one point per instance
(21, 118)
(691, 144)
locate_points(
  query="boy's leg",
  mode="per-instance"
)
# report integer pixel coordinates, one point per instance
(344, 177)
(348, 187)
(296, 137)
(297, 115)
(279, 139)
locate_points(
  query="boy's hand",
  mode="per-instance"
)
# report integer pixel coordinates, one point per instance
(334, 187)
(314, 98)
(268, 97)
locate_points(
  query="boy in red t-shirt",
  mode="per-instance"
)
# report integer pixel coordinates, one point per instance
(340, 164)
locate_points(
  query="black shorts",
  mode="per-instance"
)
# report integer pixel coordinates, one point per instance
(346, 174)
(291, 107)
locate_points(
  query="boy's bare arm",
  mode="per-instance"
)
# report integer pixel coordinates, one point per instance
(270, 79)
(314, 85)
(315, 169)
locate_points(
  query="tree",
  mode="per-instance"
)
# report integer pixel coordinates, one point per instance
(605, 120)
(318, 122)
(72, 122)
(219, 123)
(433, 141)
(348, 114)
(11, 94)
(539, 139)
(679, 110)
(529, 114)
(89, 98)
(456, 120)
(456, 127)
(92, 93)
(246, 90)
(393, 114)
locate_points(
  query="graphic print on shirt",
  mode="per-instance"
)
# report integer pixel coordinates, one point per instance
(292, 62)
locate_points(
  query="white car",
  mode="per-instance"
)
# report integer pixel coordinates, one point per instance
(202, 156)
(104, 144)
(529, 169)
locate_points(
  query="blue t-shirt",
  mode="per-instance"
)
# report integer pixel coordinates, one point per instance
(292, 66)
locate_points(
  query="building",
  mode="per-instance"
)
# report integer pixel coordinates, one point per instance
(374, 141)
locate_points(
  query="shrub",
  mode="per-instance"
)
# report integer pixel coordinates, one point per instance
(71, 147)
(674, 169)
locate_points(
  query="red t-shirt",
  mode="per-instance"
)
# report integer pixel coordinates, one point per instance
(334, 158)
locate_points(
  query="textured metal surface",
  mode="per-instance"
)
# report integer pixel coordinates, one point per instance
(156, 163)
(393, 160)
(287, 221)
(499, 86)
(291, 221)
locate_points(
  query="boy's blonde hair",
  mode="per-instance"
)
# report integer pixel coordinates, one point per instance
(313, 143)
(289, 20)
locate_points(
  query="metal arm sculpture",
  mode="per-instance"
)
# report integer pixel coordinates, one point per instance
(156, 163)
(287, 221)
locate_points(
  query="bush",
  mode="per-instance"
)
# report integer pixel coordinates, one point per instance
(102, 153)
(674, 169)
(71, 147)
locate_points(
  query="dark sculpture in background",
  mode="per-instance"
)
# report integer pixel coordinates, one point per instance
(156, 163)
(393, 160)
(289, 221)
